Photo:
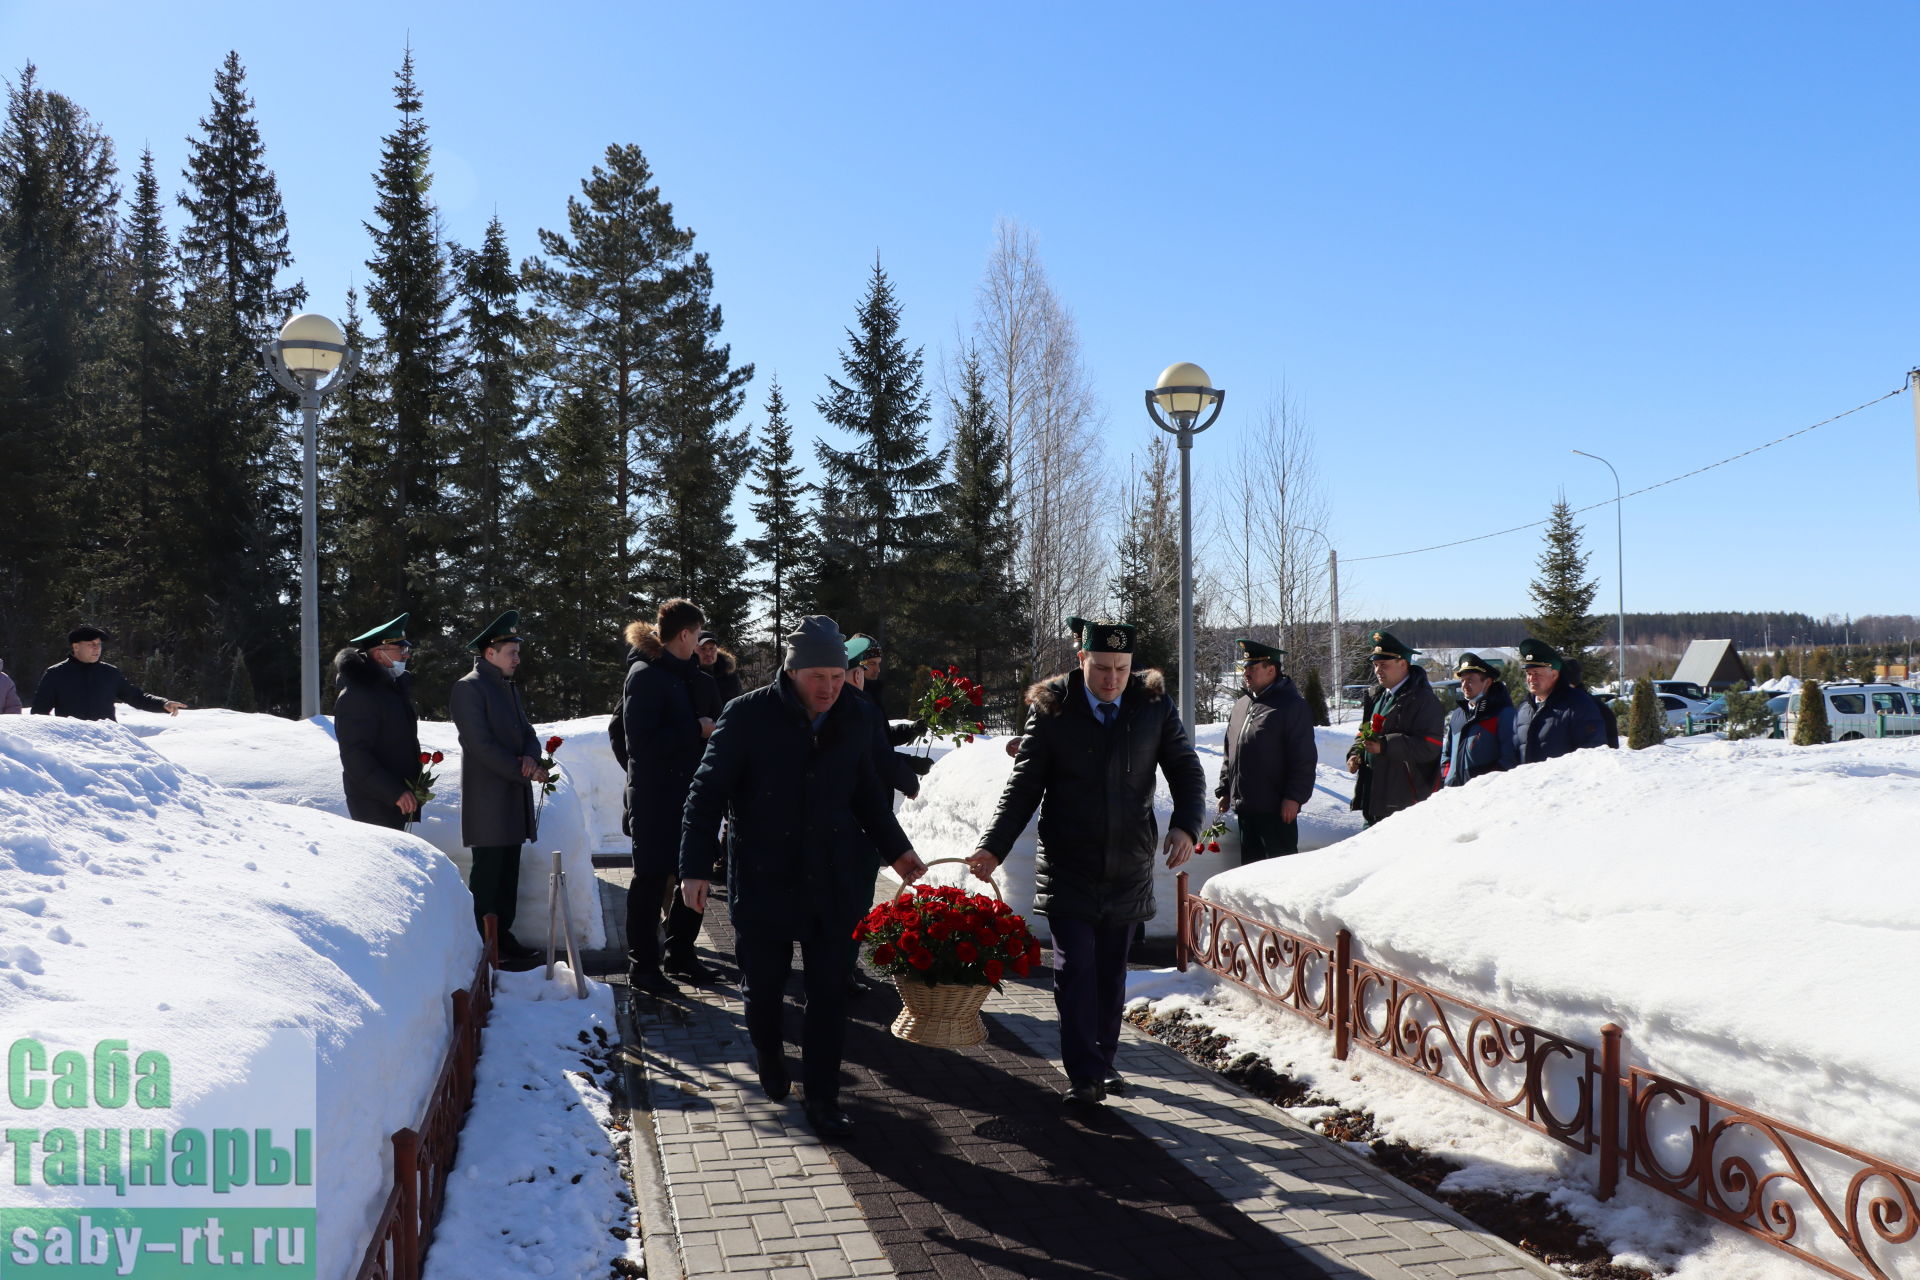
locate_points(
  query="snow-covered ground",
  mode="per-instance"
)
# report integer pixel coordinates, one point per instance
(1748, 911)
(138, 900)
(958, 798)
(538, 1189)
(297, 762)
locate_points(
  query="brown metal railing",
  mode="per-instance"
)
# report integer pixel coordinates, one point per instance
(1839, 1209)
(423, 1157)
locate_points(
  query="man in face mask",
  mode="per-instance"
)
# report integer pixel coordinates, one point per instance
(376, 727)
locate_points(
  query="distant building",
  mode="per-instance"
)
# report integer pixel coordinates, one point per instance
(1714, 665)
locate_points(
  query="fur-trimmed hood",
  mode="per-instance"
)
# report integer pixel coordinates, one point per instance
(643, 643)
(1050, 696)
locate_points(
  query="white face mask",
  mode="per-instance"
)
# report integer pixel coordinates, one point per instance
(399, 667)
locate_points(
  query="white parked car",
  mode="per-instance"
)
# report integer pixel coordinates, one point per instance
(1856, 710)
(1680, 709)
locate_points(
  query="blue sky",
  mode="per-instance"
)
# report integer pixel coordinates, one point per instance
(1467, 238)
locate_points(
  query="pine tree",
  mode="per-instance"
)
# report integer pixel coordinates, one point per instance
(785, 547)
(1316, 698)
(411, 294)
(1147, 587)
(1646, 721)
(240, 480)
(980, 610)
(1563, 597)
(887, 528)
(1810, 727)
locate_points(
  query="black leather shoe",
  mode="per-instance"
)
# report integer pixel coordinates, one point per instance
(651, 982)
(691, 968)
(1115, 1084)
(829, 1121)
(773, 1075)
(1089, 1094)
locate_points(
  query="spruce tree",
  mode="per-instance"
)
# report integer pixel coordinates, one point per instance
(1646, 720)
(239, 485)
(980, 609)
(411, 294)
(785, 548)
(886, 531)
(1563, 597)
(1810, 727)
(1316, 698)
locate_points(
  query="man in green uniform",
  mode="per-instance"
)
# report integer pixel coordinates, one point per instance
(499, 760)
(376, 727)
(1397, 752)
(1271, 756)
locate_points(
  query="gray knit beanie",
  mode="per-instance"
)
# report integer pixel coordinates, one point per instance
(818, 643)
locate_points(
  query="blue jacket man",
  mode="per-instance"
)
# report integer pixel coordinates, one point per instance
(1480, 729)
(1558, 717)
(809, 823)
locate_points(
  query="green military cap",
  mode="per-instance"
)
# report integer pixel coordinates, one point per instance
(1254, 651)
(502, 629)
(1385, 646)
(391, 632)
(1538, 653)
(1474, 662)
(860, 647)
(1103, 636)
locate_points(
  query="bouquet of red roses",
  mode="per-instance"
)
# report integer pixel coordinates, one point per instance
(944, 934)
(1374, 728)
(1209, 841)
(949, 705)
(423, 784)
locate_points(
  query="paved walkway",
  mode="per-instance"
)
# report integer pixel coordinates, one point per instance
(966, 1165)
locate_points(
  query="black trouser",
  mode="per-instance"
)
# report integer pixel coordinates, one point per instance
(1264, 835)
(1089, 990)
(766, 960)
(644, 897)
(376, 814)
(495, 882)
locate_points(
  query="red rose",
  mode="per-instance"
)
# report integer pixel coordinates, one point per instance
(1020, 966)
(922, 959)
(1379, 724)
(910, 941)
(969, 737)
(976, 697)
(425, 758)
(553, 744)
(884, 955)
(979, 727)
(437, 757)
(938, 931)
(953, 671)
(1213, 846)
(942, 703)
(1033, 951)
(994, 971)
(966, 952)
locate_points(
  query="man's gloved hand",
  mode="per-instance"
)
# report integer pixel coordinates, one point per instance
(920, 764)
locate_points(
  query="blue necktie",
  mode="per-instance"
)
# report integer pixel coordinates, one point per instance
(1107, 712)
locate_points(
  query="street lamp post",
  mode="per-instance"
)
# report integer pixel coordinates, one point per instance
(1619, 568)
(1183, 394)
(1333, 590)
(310, 347)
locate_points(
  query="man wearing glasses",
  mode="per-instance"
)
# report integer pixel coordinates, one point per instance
(376, 727)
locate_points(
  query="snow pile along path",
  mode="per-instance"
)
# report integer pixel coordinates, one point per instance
(139, 900)
(538, 1189)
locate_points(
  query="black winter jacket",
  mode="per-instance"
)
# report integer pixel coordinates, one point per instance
(725, 672)
(88, 690)
(1568, 720)
(1094, 787)
(809, 821)
(661, 729)
(1404, 772)
(378, 733)
(1270, 750)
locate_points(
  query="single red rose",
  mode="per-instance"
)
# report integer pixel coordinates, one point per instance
(979, 727)
(553, 744)
(1020, 966)
(909, 941)
(969, 737)
(884, 955)
(953, 671)
(921, 959)
(976, 697)
(1033, 951)
(966, 952)
(1379, 724)
(942, 703)
(425, 758)
(1213, 846)
(437, 757)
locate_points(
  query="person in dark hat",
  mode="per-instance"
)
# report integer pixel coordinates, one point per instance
(499, 763)
(722, 666)
(791, 765)
(664, 702)
(1397, 753)
(85, 688)
(1558, 717)
(376, 727)
(1095, 737)
(1271, 756)
(1479, 730)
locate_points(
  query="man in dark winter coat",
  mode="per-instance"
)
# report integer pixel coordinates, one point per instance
(499, 762)
(722, 666)
(1093, 741)
(375, 726)
(791, 767)
(661, 702)
(85, 688)
(1480, 729)
(1397, 761)
(1271, 756)
(1558, 717)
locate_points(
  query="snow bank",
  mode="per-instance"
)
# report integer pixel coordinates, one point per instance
(297, 762)
(140, 900)
(1745, 910)
(958, 798)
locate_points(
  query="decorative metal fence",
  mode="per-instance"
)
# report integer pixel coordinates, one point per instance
(423, 1157)
(1841, 1210)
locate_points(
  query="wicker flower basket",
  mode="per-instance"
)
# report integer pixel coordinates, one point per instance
(945, 1015)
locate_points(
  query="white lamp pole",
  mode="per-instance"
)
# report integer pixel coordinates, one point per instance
(309, 347)
(1619, 568)
(1182, 393)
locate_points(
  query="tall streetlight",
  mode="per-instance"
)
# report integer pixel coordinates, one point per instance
(1333, 589)
(310, 347)
(1183, 394)
(1619, 567)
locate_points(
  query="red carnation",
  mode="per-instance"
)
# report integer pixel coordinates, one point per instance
(553, 744)
(884, 955)
(437, 757)
(425, 758)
